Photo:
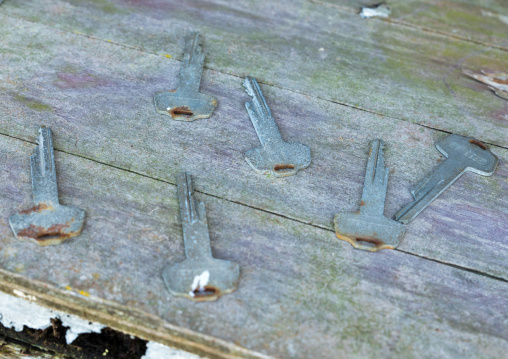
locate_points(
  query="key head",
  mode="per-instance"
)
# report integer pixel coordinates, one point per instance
(370, 233)
(47, 223)
(279, 159)
(185, 104)
(471, 154)
(220, 277)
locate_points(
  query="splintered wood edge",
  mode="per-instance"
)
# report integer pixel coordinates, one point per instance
(124, 319)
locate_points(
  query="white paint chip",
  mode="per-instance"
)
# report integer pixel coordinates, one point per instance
(19, 312)
(199, 282)
(24, 296)
(380, 10)
(159, 351)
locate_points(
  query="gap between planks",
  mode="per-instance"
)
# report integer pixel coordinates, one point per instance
(258, 208)
(317, 2)
(349, 10)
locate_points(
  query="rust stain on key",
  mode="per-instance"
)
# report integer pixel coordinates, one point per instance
(368, 228)
(186, 103)
(48, 222)
(200, 277)
(276, 156)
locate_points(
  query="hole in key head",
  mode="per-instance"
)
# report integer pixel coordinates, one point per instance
(283, 168)
(207, 291)
(180, 111)
(372, 241)
(478, 144)
(46, 236)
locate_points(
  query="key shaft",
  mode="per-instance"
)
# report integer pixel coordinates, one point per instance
(192, 65)
(42, 163)
(429, 189)
(376, 181)
(260, 114)
(194, 222)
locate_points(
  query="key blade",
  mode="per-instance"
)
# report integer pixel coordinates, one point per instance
(376, 180)
(260, 114)
(193, 62)
(194, 223)
(440, 180)
(258, 103)
(42, 164)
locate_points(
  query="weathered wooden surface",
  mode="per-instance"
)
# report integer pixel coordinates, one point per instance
(98, 99)
(390, 69)
(10, 350)
(483, 21)
(301, 291)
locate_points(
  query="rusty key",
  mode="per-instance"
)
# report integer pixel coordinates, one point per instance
(462, 155)
(276, 156)
(368, 228)
(199, 277)
(48, 222)
(186, 103)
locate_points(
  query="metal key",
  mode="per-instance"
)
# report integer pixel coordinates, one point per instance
(275, 157)
(199, 277)
(463, 155)
(368, 228)
(186, 103)
(48, 222)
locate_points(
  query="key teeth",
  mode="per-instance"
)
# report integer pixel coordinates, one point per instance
(249, 84)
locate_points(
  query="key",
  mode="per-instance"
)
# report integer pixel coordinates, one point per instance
(200, 277)
(462, 155)
(368, 228)
(48, 222)
(275, 157)
(187, 103)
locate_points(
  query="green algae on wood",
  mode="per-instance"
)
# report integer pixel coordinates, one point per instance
(33, 104)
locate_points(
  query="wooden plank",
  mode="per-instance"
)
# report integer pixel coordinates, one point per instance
(483, 21)
(98, 99)
(302, 293)
(386, 68)
(9, 350)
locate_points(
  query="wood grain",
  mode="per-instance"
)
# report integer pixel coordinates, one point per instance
(483, 21)
(386, 68)
(302, 292)
(97, 97)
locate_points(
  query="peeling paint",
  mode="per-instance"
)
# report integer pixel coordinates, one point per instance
(497, 81)
(17, 313)
(156, 351)
(199, 283)
(378, 10)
